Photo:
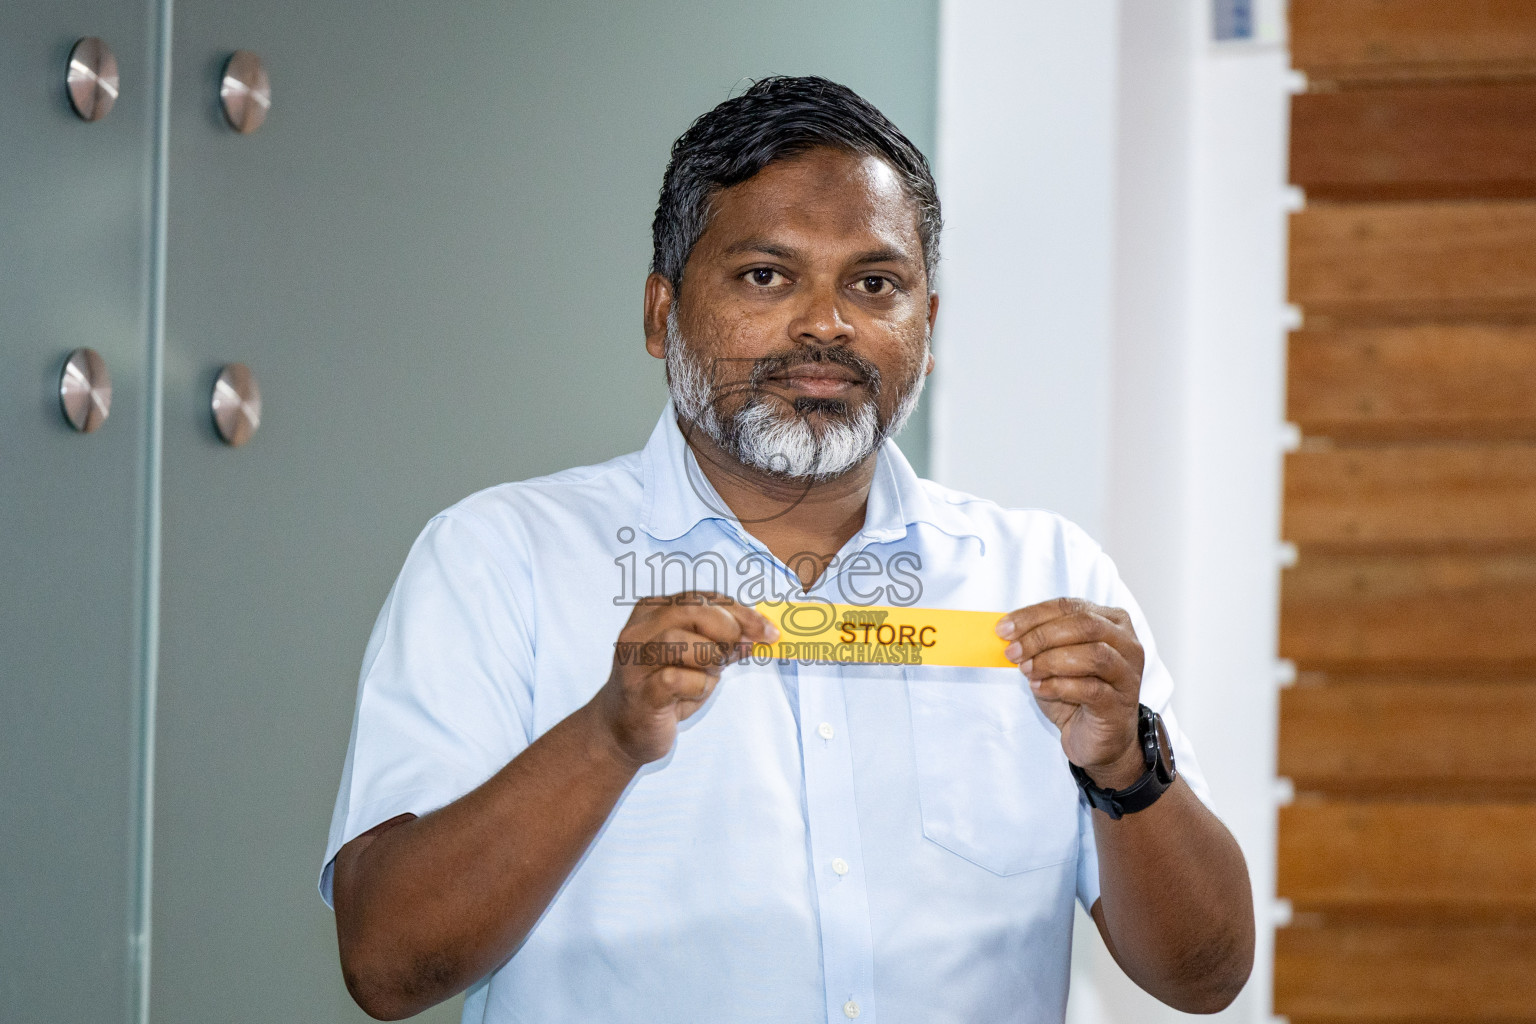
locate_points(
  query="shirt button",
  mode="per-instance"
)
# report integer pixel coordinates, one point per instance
(841, 867)
(850, 1009)
(825, 730)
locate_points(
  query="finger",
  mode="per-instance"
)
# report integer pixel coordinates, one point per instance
(710, 620)
(1097, 659)
(673, 684)
(1067, 631)
(1017, 623)
(706, 686)
(698, 607)
(1083, 690)
(754, 625)
(1119, 616)
(1060, 713)
(686, 706)
(679, 646)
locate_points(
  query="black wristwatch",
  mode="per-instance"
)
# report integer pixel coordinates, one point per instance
(1156, 752)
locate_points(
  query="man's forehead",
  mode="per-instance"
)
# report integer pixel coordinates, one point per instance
(824, 197)
(790, 245)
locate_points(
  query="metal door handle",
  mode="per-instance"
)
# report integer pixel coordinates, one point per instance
(245, 92)
(85, 390)
(91, 79)
(236, 404)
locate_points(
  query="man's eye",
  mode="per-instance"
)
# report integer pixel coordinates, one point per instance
(875, 285)
(762, 276)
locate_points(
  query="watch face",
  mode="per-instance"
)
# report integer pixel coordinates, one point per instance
(1164, 750)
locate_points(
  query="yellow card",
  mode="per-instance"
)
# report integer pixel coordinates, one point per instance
(816, 631)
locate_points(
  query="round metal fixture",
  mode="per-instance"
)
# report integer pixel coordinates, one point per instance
(91, 79)
(245, 92)
(85, 390)
(236, 404)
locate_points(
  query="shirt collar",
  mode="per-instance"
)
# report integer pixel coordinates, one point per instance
(678, 496)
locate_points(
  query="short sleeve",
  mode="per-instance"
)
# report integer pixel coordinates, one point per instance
(1104, 586)
(444, 699)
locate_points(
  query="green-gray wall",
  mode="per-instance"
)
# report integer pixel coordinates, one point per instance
(432, 256)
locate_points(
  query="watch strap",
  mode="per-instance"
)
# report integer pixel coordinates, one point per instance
(1142, 793)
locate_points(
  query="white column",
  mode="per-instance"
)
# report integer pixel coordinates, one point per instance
(1026, 170)
(1110, 346)
(1236, 409)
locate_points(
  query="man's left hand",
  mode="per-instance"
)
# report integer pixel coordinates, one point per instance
(1084, 667)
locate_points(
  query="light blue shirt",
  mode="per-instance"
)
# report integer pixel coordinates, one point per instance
(899, 844)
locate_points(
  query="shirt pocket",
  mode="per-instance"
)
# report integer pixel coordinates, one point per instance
(993, 782)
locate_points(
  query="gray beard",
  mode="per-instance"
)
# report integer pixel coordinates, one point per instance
(769, 435)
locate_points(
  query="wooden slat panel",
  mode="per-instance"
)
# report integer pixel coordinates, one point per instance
(1370, 130)
(1415, 143)
(1381, 610)
(1412, 494)
(1423, 857)
(1415, 259)
(1421, 737)
(1412, 382)
(1405, 975)
(1343, 39)
(1415, 676)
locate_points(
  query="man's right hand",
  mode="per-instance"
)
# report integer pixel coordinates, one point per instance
(666, 663)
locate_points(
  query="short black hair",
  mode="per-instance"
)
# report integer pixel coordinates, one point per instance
(779, 117)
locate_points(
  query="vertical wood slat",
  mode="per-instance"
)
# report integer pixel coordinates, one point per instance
(1415, 142)
(1415, 259)
(1414, 382)
(1373, 39)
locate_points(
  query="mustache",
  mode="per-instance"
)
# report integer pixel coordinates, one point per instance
(769, 366)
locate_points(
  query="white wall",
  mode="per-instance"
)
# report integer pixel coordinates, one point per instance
(1110, 346)
(1025, 156)
(1237, 388)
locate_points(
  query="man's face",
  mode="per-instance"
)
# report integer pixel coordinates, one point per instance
(804, 315)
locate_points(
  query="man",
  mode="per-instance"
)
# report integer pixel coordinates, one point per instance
(579, 802)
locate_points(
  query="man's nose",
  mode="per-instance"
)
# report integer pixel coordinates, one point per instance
(819, 320)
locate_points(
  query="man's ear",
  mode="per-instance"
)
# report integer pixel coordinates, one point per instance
(659, 296)
(933, 315)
